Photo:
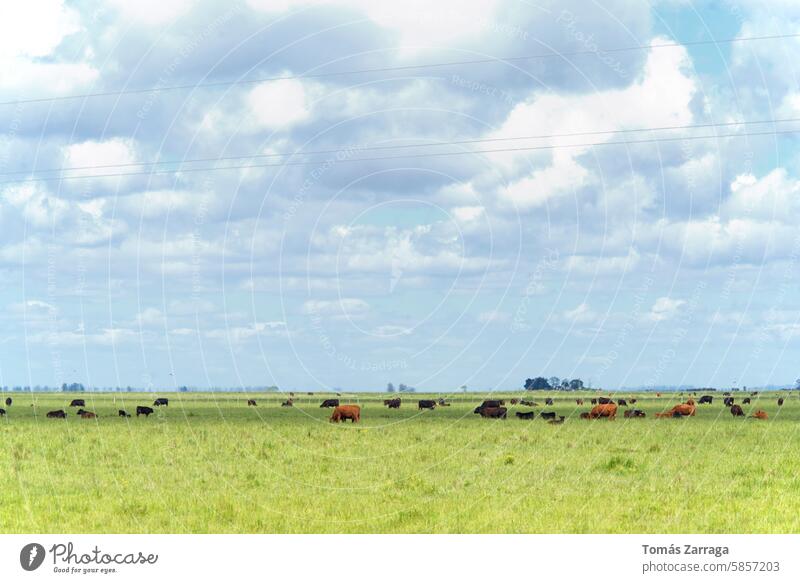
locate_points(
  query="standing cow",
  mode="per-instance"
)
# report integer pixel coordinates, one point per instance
(329, 403)
(161, 401)
(426, 404)
(142, 410)
(345, 412)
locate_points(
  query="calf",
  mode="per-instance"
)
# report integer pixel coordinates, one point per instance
(2, 412)
(426, 404)
(736, 411)
(622, 402)
(330, 403)
(633, 401)
(123, 413)
(526, 414)
(142, 410)
(515, 401)
(634, 413)
(57, 414)
(492, 412)
(345, 412)
(586, 415)
(548, 401)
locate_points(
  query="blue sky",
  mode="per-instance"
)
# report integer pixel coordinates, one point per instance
(674, 262)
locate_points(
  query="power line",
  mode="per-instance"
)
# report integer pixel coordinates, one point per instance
(407, 156)
(210, 84)
(358, 148)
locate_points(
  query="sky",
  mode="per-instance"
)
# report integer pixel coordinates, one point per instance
(621, 257)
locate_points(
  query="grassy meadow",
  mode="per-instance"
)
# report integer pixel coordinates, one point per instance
(210, 464)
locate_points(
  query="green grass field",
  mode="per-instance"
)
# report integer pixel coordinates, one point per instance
(210, 464)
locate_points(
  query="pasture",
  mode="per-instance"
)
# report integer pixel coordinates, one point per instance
(208, 463)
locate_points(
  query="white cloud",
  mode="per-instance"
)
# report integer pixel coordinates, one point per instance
(581, 314)
(152, 12)
(279, 104)
(665, 308)
(494, 317)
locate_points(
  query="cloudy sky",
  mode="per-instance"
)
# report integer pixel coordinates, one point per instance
(621, 257)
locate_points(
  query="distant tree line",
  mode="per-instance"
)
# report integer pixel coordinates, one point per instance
(553, 384)
(401, 388)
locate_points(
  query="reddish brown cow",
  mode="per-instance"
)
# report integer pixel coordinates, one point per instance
(686, 409)
(760, 415)
(606, 410)
(345, 412)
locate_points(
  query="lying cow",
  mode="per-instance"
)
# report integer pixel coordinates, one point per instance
(329, 403)
(736, 411)
(142, 410)
(492, 412)
(443, 403)
(529, 403)
(558, 421)
(345, 412)
(123, 413)
(77, 403)
(426, 404)
(161, 401)
(634, 413)
(86, 414)
(526, 414)
(760, 415)
(288, 403)
(547, 415)
(586, 415)
(57, 414)
(686, 409)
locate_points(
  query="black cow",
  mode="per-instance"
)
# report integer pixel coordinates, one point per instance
(252, 403)
(604, 400)
(526, 414)
(161, 401)
(392, 403)
(549, 415)
(426, 404)
(633, 401)
(77, 403)
(288, 403)
(706, 399)
(492, 412)
(8, 401)
(736, 411)
(529, 403)
(780, 402)
(558, 421)
(728, 401)
(329, 403)
(594, 401)
(634, 413)
(492, 403)
(622, 402)
(2, 412)
(548, 401)
(443, 403)
(141, 410)
(57, 414)
(746, 401)
(123, 413)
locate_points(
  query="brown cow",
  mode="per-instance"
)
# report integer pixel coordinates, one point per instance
(579, 401)
(586, 415)
(760, 415)
(514, 401)
(606, 410)
(345, 412)
(492, 412)
(87, 415)
(288, 403)
(686, 409)
(633, 401)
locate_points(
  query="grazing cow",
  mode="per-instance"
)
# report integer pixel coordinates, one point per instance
(345, 412)
(558, 421)
(426, 404)
(252, 403)
(123, 413)
(726, 394)
(291, 394)
(754, 393)
(547, 415)
(604, 401)
(392, 403)
(658, 394)
(622, 402)
(2, 412)
(593, 401)
(141, 410)
(161, 401)
(443, 403)
(8, 401)
(526, 414)
(736, 411)
(728, 401)
(780, 402)
(492, 412)
(586, 415)
(57, 414)
(77, 403)
(579, 401)
(686, 409)
(548, 401)
(492, 403)
(746, 401)
(633, 401)
(515, 401)
(288, 403)
(634, 413)
(605, 410)
(529, 403)
(706, 399)
(760, 415)
(330, 403)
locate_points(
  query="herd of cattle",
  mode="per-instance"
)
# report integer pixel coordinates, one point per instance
(603, 407)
